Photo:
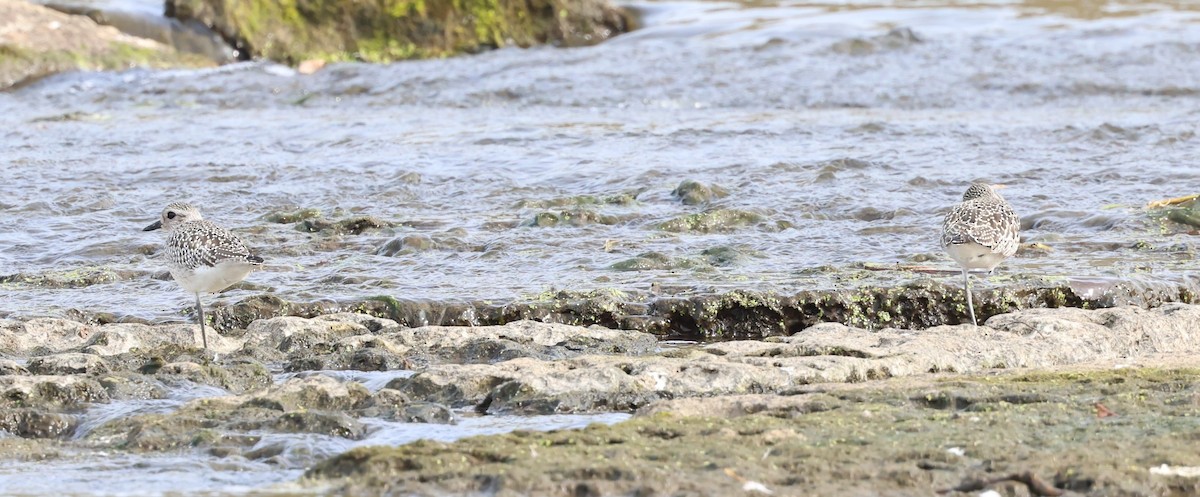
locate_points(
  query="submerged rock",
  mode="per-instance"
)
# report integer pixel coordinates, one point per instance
(34, 423)
(692, 192)
(712, 221)
(354, 225)
(398, 29)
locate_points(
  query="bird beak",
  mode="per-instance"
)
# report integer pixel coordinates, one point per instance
(152, 227)
(999, 186)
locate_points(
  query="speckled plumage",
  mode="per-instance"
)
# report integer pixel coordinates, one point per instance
(979, 233)
(195, 244)
(202, 256)
(985, 218)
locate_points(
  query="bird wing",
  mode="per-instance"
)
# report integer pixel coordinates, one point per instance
(991, 224)
(213, 244)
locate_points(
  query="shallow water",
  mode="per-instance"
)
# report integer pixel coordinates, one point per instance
(849, 142)
(79, 470)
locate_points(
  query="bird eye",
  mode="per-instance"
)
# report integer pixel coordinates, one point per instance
(171, 215)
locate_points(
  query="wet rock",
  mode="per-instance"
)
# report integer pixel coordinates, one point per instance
(712, 221)
(742, 314)
(487, 344)
(894, 39)
(131, 386)
(69, 363)
(692, 192)
(292, 216)
(651, 261)
(406, 245)
(876, 429)
(372, 323)
(311, 392)
(393, 405)
(294, 333)
(577, 217)
(359, 352)
(236, 378)
(626, 198)
(731, 406)
(233, 320)
(334, 424)
(31, 50)
(156, 433)
(354, 225)
(396, 30)
(827, 352)
(42, 336)
(1186, 214)
(34, 423)
(74, 278)
(39, 391)
(123, 338)
(425, 412)
(9, 367)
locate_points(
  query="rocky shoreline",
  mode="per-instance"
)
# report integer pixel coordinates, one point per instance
(891, 411)
(37, 41)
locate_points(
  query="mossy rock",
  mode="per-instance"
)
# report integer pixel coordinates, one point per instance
(77, 43)
(291, 31)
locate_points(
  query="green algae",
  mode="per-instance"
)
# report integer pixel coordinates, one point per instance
(292, 216)
(692, 192)
(292, 31)
(19, 64)
(711, 221)
(893, 438)
(79, 277)
(575, 217)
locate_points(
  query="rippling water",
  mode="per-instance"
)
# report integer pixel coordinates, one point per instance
(80, 471)
(849, 127)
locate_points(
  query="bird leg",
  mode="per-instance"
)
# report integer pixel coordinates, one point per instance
(967, 289)
(200, 312)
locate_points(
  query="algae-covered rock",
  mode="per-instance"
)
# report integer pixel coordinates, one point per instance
(712, 221)
(576, 217)
(881, 438)
(238, 377)
(827, 352)
(692, 192)
(36, 41)
(313, 392)
(353, 225)
(489, 344)
(334, 424)
(35, 423)
(68, 363)
(38, 391)
(399, 29)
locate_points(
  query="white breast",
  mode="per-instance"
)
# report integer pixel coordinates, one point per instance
(212, 279)
(974, 256)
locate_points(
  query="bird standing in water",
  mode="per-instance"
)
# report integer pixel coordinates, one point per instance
(202, 257)
(979, 233)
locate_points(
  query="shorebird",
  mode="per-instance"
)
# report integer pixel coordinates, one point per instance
(980, 233)
(202, 257)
